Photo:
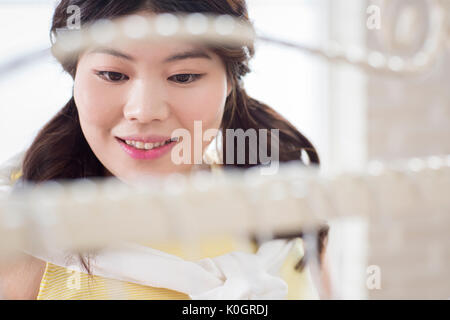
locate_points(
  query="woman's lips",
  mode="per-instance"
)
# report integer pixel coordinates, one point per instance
(145, 139)
(142, 154)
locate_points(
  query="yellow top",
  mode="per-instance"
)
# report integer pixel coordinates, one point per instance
(60, 283)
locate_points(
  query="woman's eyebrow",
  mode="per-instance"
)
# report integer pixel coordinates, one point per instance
(112, 52)
(190, 54)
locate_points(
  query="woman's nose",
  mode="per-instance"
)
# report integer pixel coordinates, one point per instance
(146, 103)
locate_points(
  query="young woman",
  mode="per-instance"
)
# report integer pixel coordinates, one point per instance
(127, 101)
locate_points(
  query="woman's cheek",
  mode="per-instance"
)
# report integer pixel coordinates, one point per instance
(205, 104)
(97, 103)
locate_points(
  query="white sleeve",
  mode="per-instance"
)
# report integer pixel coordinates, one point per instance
(12, 165)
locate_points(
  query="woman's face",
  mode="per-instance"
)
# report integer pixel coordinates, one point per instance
(143, 92)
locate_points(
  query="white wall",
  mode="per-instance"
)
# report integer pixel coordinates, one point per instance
(31, 95)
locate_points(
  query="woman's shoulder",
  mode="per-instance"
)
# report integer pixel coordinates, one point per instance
(20, 278)
(11, 171)
(299, 278)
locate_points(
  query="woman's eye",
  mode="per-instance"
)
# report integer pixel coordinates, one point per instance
(185, 78)
(112, 76)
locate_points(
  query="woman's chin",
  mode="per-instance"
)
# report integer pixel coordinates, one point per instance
(132, 177)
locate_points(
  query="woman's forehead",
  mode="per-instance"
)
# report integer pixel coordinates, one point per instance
(160, 52)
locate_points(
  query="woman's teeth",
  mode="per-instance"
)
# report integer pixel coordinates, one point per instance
(148, 146)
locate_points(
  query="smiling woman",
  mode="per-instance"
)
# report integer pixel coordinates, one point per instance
(129, 99)
(148, 94)
(140, 92)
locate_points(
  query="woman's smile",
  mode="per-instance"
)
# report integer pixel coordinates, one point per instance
(147, 149)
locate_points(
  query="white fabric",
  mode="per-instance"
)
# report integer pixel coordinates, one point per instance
(236, 275)
(7, 168)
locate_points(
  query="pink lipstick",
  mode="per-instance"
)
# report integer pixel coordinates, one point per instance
(146, 148)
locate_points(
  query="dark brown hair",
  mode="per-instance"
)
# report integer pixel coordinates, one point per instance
(60, 150)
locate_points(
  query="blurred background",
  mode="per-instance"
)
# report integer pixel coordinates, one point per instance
(354, 116)
(351, 116)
